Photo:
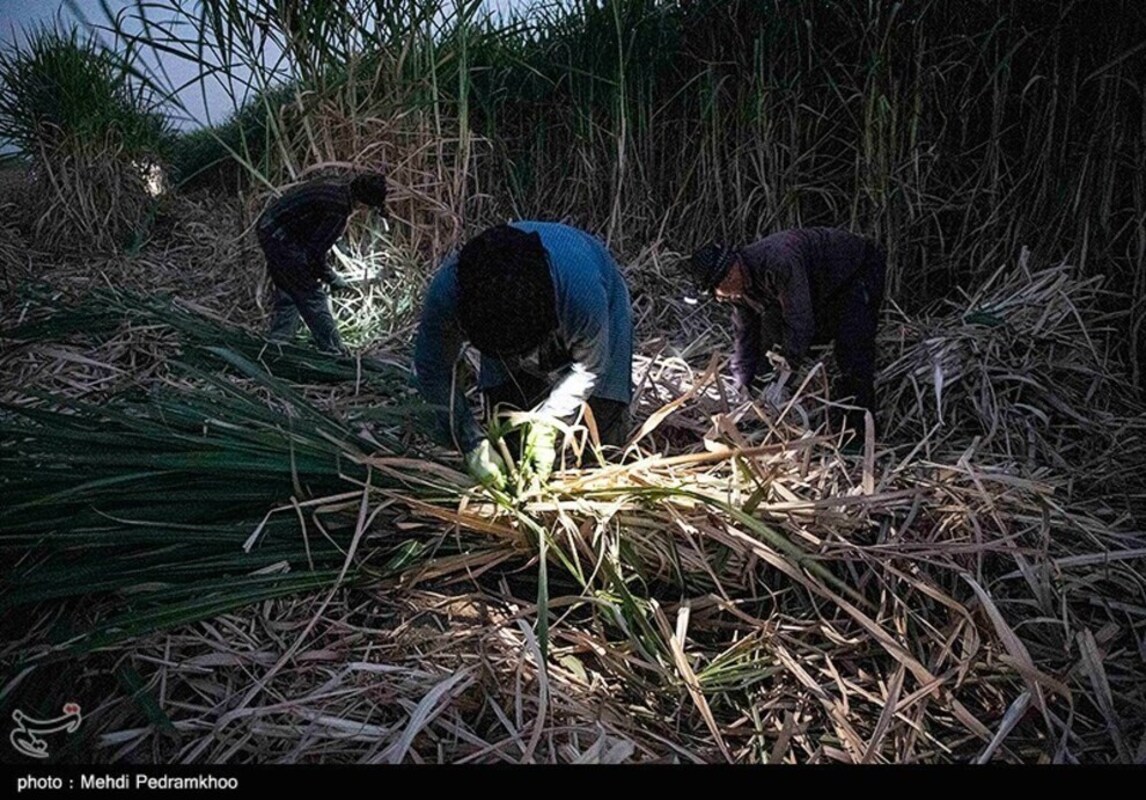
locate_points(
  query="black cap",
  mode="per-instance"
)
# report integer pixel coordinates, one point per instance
(709, 265)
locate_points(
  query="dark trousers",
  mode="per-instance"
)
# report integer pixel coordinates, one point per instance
(852, 321)
(298, 293)
(525, 391)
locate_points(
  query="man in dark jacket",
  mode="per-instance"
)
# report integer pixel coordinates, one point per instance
(797, 288)
(548, 310)
(296, 232)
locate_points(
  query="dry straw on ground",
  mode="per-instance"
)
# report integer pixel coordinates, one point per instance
(968, 588)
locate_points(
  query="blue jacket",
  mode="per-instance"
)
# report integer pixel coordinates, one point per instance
(589, 355)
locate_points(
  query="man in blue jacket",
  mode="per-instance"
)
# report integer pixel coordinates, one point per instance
(797, 288)
(548, 310)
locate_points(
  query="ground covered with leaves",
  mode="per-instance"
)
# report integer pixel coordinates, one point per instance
(230, 552)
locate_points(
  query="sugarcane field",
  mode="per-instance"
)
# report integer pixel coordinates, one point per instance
(587, 382)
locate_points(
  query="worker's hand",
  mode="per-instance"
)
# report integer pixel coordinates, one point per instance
(746, 392)
(338, 284)
(486, 466)
(739, 394)
(778, 362)
(540, 452)
(776, 394)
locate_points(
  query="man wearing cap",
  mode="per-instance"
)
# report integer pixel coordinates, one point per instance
(296, 232)
(548, 310)
(797, 288)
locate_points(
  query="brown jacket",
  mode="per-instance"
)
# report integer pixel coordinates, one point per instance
(792, 275)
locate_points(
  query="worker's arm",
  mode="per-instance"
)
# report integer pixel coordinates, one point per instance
(436, 350)
(796, 303)
(584, 317)
(745, 344)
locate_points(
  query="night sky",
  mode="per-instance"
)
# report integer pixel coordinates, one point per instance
(207, 102)
(17, 15)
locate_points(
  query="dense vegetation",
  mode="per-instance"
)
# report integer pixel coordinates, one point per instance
(258, 552)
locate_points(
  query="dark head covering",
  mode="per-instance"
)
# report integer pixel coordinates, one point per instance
(506, 301)
(370, 188)
(709, 265)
